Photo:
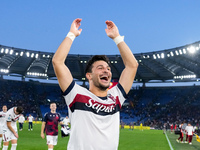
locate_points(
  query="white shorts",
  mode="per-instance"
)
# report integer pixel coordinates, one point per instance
(8, 135)
(1, 129)
(52, 140)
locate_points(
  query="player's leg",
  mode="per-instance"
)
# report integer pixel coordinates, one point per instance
(50, 142)
(5, 145)
(55, 140)
(190, 139)
(14, 144)
(13, 141)
(31, 125)
(186, 141)
(182, 135)
(1, 134)
(20, 126)
(0, 140)
(6, 139)
(50, 147)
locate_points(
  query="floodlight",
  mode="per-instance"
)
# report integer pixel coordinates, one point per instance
(36, 55)
(180, 51)
(2, 50)
(32, 55)
(22, 53)
(191, 49)
(6, 51)
(184, 51)
(162, 55)
(11, 52)
(172, 54)
(27, 54)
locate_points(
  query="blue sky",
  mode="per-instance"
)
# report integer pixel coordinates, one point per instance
(148, 25)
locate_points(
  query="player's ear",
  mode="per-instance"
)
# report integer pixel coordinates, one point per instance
(88, 75)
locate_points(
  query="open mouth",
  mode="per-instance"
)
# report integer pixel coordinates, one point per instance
(104, 78)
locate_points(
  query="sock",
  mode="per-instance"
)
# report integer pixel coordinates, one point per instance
(14, 146)
(50, 148)
(5, 147)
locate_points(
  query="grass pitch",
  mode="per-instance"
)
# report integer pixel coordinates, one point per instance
(183, 146)
(129, 140)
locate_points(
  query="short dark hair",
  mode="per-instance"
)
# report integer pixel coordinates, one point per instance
(53, 103)
(94, 59)
(19, 109)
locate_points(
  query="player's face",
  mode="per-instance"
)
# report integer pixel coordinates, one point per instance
(53, 107)
(4, 108)
(101, 75)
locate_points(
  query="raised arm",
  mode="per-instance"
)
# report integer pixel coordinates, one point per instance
(131, 64)
(62, 72)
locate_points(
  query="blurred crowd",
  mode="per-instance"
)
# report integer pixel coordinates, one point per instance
(152, 106)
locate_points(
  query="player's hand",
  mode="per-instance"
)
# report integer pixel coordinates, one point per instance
(74, 27)
(42, 135)
(16, 135)
(112, 30)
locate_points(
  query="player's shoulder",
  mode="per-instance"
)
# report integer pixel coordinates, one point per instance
(46, 113)
(58, 114)
(10, 111)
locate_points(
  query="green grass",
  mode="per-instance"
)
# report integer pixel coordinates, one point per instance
(142, 140)
(129, 140)
(183, 146)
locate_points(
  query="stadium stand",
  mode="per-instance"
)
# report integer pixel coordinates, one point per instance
(153, 106)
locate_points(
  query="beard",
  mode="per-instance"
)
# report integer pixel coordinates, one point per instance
(101, 86)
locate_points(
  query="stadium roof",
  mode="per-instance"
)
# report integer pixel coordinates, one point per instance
(179, 64)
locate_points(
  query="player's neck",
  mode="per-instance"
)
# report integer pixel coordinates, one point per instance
(98, 92)
(53, 111)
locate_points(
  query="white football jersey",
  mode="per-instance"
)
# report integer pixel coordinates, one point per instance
(21, 119)
(94, 120)
(2, 118)
(190, 130)
(30, 119)
(11, 117)
(66, 121)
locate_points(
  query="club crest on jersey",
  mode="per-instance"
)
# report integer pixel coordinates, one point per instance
(112, 98)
